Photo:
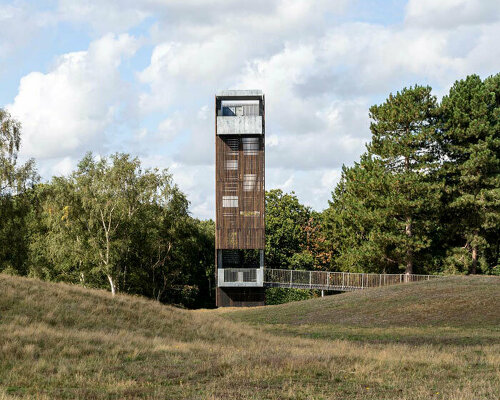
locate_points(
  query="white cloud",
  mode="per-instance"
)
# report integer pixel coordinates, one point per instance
(63, 167)
(177, 68)
(67, 110)
(198, 182)
(201, 17)
(445, 14)
(169, 128)
(104, 16)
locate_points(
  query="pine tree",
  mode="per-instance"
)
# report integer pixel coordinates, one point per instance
(403, 139)
(359, 226)
(470, 116)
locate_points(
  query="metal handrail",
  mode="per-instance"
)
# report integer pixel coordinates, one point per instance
(342, 281)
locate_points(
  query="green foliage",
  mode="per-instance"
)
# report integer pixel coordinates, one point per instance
(359, 223)
(403, 129)
(426, 196)
(16, 182)
(470, 123)
(286, 295)
(113, 223)
(303, 260)
(14, 178)
(286, 220)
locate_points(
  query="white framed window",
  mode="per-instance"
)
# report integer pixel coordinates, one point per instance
(232, 165)
(251, 146)
(249, 182)
(229, 201)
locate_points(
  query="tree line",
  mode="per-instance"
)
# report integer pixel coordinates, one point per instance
(109, 224)
(423, 198)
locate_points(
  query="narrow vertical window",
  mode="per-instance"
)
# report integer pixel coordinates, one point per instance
(249, 182)
(229, 201)
(251, 146)
(232, 165)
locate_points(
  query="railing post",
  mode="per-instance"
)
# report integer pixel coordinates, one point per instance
(291, 278)
(310, 279)
(380, 280)
(343, 280)
(362, 276)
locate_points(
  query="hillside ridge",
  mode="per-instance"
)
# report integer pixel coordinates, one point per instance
(450, 301)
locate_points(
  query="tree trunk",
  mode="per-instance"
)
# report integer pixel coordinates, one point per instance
(409, 250)
(473, 267)
(112, 284)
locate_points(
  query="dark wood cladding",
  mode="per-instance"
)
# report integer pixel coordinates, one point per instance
(240, 173)
(241, 297)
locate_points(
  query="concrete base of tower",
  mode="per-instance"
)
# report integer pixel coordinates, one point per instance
(240, 297)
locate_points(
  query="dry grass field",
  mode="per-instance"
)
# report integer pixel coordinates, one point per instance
(430, 340)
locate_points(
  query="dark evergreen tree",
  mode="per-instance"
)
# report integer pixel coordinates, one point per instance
(470, 117)
(358, 224)
(403, 138)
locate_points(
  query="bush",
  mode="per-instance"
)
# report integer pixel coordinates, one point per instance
(285, 295)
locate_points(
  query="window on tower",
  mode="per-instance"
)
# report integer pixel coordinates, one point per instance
(233, 144)
(229, 201)
(232, 165)
(251, 146)
(249, 182)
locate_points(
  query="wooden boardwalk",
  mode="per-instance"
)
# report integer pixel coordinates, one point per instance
(336, 281)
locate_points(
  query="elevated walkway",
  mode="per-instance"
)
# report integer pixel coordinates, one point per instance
(336, 281)
(321, 280)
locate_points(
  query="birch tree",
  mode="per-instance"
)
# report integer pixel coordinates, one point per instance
(15, 182)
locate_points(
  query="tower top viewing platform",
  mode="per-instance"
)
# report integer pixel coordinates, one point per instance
(251, 94)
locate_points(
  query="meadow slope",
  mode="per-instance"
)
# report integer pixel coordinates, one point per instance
(63, 342)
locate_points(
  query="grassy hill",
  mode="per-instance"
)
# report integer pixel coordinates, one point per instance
(418, 341)
(452, 301)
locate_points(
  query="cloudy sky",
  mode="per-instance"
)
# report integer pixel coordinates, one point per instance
(140, 77)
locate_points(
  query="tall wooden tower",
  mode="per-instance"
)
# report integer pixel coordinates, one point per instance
(239, 197)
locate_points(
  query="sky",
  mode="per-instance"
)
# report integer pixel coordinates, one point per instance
(140, 77)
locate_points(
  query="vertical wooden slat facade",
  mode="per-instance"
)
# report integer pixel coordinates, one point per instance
(240, 227)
